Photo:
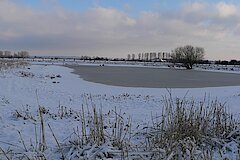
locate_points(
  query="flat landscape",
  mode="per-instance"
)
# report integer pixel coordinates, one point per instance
(65, 100)
(119, 80)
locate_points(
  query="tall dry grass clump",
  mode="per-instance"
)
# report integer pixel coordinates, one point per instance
(189, 129)
(99, 136)
(9, 64)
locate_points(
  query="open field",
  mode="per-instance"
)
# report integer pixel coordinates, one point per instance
(98, 120)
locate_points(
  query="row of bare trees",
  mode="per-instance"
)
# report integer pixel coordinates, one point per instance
(9, 54)
(188, 55)
(151, 56)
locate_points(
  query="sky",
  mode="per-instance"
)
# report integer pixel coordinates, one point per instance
(115, 28)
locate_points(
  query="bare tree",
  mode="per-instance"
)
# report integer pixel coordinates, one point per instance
(188, 55)
(7, 54)
(146, 56)
(128, 57)
(159, 55)
(133, 57)
(23, 54)
(1, 53)
(139, 56)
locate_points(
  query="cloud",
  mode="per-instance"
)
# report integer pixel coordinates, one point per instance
(193, 7)
(226, 10)
(110, 32)
(108, 18)
(91, 32)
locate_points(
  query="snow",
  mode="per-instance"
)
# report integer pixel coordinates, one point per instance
(24, 89)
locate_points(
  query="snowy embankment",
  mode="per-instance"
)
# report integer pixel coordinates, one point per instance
(63, 96)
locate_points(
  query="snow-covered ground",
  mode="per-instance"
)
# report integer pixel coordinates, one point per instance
(53, 86)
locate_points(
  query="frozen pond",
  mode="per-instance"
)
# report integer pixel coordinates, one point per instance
(155, 77)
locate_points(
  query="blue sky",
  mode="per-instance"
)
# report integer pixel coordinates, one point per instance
(81, 5)
(136, 5)
(115, 28)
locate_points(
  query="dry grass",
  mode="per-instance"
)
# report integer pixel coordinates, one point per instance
(185, 129)
(101, 136)
(9, 64)
(190, 129)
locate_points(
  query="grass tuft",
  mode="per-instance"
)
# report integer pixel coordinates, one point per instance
(189, 129)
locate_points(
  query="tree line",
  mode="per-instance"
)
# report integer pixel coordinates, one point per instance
(231, 62)
(149, 56)
(9, 54)
(188, 55)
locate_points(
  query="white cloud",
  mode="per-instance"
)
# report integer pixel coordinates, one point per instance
(226, 10)
(194, 7)
(108, 17)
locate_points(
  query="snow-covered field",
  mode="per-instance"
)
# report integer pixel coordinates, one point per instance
(54, 87)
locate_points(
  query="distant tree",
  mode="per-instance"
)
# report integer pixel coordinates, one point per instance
(159, 55)
(128, 57)
(133, 57)
(224, 63)
(15, 55)
(146, 56)
(188, 55)
(139, 56)
(150, 56)
(23, 54)
(218, 62)
(7, 54)
(233, 62)
(204, 62)
(1, 53)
